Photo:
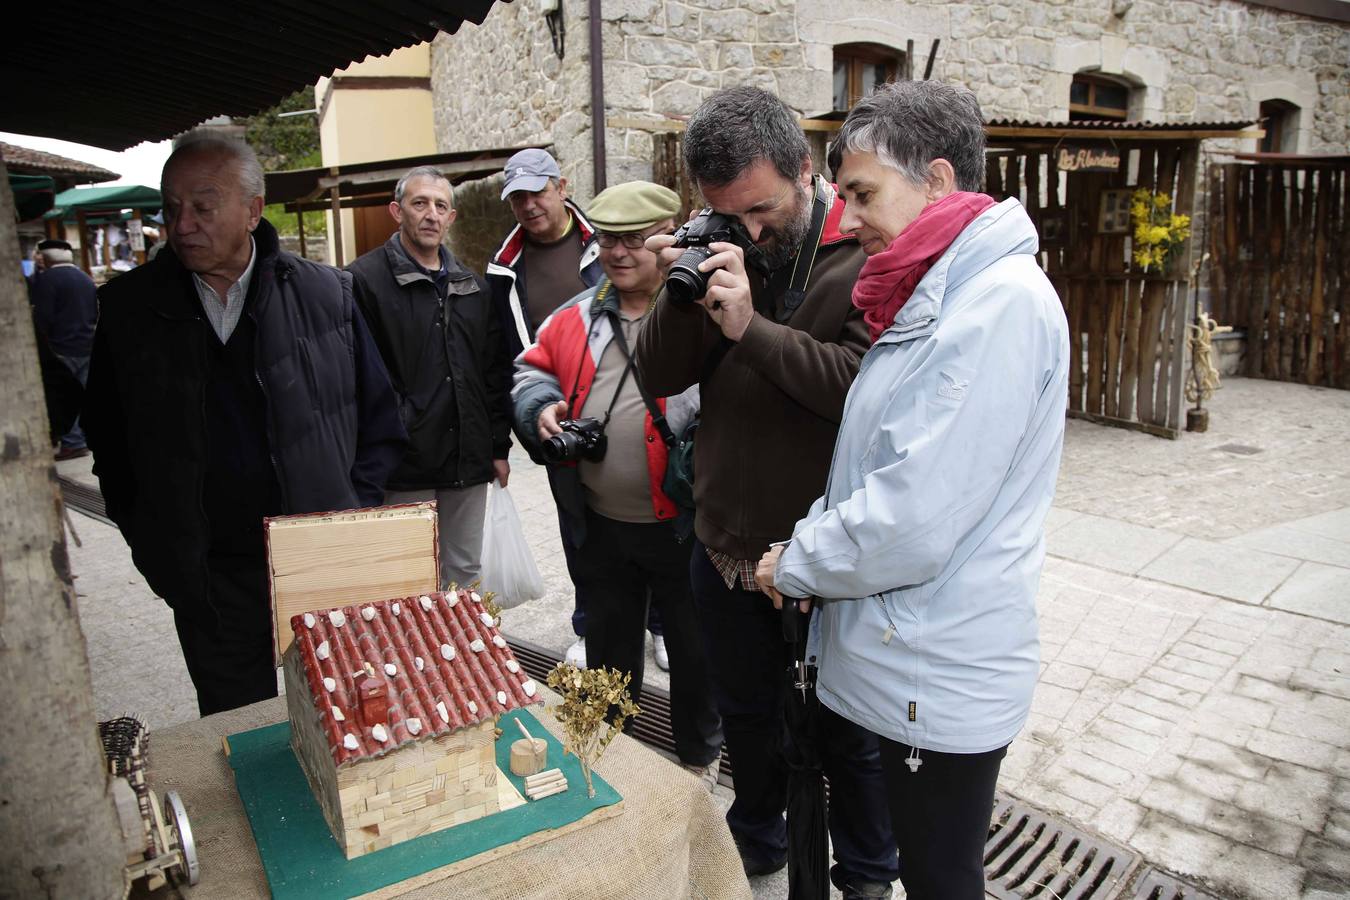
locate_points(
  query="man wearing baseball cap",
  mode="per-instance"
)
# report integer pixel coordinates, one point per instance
(547, 258)
(624, 548)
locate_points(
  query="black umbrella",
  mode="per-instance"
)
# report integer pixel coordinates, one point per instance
(807, 826)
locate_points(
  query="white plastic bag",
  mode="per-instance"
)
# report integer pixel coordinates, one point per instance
(508, 565)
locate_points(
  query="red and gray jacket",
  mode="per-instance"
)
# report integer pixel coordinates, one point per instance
(506, 281)
(561, 365)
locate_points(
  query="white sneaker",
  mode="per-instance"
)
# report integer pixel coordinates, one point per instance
(659, 651)
(576, 654)
(707, 774)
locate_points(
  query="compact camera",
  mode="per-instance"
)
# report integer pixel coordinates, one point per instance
(580, 439)
(685, 283)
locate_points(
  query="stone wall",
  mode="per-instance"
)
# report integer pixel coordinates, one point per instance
(1190, 60)
(500, 84)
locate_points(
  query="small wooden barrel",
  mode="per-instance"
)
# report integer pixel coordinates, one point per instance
(528, 756)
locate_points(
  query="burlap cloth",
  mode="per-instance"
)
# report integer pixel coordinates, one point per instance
(670, 841)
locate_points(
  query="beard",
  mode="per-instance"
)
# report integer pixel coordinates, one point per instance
(780, 244)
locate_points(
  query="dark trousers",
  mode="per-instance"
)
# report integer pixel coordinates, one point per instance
(619, 568)
(941, 813)
(228, 648)
(579, 605)
(750, 662)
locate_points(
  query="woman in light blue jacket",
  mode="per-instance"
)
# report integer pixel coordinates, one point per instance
(926, 549)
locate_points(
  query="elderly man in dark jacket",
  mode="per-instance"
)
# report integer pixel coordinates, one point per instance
(440, 338)
(230, 381)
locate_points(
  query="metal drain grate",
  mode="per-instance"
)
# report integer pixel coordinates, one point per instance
(652, 727)
(1030, 854)
(1155, 884)
(85, 498)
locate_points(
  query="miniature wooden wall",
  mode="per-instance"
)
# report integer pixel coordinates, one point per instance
(1280, 266)
(1126, 327)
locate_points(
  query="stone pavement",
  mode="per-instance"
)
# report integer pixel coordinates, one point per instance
(1194, 702)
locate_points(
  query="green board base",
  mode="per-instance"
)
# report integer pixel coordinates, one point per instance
(302, 859)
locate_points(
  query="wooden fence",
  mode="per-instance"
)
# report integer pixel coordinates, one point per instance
(1126, 328)
(1280, 266)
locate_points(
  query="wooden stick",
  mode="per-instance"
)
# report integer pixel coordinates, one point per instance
(532, 781)
(558, 788)
(524, 731)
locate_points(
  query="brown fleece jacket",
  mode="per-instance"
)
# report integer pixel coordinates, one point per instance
(772, 406)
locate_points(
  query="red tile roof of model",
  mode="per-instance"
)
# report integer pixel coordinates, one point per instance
(442, 660)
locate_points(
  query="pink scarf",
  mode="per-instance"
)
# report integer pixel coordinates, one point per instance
(888, 279)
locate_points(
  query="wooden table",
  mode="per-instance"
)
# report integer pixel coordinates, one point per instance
(670, 841)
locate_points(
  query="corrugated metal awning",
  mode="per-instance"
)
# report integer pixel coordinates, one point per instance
(113, 77)
(361, 184)
(1040, 128)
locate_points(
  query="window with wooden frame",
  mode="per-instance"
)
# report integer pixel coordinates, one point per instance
(1097, 98)
(1280, 120)
(859, 69)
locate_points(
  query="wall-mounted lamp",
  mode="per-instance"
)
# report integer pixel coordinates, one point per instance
(553, 15)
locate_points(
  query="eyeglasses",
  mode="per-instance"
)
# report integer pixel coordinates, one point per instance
(632, 240)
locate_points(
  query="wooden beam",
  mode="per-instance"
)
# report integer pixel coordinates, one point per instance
(336, 204)
(657, 126)
(80, 220)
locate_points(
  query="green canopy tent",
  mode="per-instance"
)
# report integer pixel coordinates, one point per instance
(98, 205)
(33, 195)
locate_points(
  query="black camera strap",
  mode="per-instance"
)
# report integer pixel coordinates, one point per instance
(658, 417)
(801, 274)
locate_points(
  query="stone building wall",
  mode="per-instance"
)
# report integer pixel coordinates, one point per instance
(1190, 60)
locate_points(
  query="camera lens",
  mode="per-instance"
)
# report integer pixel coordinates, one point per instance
(561, 447)
(686, 283)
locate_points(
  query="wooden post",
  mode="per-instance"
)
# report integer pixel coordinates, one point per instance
(300, 227)
(334, 198)
(58, 818)
(80, 218)
(107, 252)
(140, 254)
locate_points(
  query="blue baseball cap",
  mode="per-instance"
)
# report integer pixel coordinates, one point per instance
(529, 170)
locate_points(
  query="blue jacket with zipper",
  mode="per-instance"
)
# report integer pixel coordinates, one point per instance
(928, 543)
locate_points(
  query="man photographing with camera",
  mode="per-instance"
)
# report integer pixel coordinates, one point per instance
(580, 406)
(773, 339)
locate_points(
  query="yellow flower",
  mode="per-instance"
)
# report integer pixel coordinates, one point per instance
(1158, 234)
(1162, 201)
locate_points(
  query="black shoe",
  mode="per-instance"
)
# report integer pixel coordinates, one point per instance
(756, 865)
(867, 890)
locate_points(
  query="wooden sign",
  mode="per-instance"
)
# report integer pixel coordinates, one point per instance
(1074, 158)
(323, 560)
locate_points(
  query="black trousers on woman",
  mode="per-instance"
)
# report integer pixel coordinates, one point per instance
(940, 816)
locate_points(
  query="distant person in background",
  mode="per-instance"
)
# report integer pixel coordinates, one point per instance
(548, 258)
(65, 311)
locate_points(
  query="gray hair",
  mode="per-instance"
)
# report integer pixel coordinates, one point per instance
(737, 127)
(251, 181)
(908, 124)
(56, 255)
(420, 172)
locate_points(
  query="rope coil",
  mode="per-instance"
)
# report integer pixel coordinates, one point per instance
(1204, 377)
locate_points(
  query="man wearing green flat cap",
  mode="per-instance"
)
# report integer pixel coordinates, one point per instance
(580, 407)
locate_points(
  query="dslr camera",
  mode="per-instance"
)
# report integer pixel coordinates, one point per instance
(685, 283)
(580, 439)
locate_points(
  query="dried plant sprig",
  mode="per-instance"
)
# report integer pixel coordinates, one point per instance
(588, 697)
